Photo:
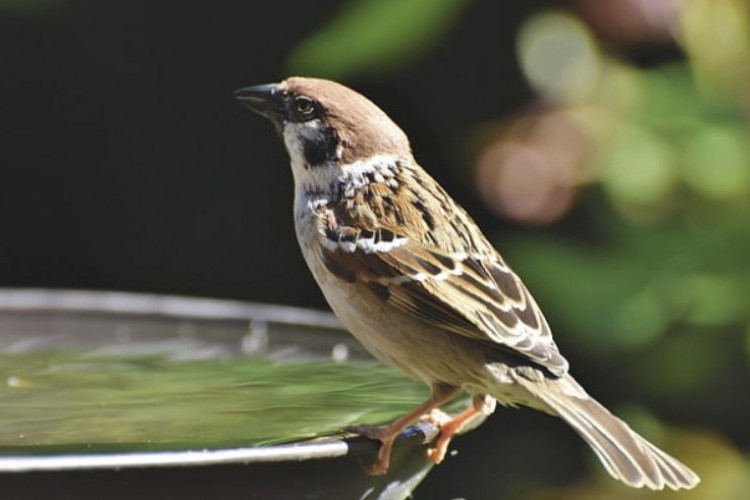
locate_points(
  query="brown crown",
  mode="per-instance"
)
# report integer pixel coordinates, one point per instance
(364, 130)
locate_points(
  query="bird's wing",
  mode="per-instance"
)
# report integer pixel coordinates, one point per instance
(476, 296)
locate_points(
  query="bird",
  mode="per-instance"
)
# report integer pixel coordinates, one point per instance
(410, 274)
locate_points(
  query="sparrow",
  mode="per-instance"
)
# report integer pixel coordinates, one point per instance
(413, 278)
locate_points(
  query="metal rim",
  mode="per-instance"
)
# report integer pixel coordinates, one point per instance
(326, 448)
(38, 299)
(171, 306)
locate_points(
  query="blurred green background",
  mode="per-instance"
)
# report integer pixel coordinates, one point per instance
(603, 145)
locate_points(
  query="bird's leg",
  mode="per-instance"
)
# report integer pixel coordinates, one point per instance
(482, 404)
(387, 435)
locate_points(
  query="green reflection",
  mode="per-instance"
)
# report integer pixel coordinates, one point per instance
(83, 402)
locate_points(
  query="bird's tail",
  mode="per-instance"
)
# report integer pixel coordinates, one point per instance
(625, 454)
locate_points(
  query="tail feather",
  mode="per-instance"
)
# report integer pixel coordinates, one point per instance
(626, 455)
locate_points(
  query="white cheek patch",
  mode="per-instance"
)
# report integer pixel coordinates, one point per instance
(293, 143)
(294, 134)
(315, 180)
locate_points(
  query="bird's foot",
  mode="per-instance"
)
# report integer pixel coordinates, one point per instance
(386, 438)
(387, 434)
(380, 466)
(448, 429)
(450, 426)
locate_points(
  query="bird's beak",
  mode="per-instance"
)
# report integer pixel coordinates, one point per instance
(266, 100)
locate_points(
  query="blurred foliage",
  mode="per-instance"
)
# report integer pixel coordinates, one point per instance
(674, 163)
(716, 37)
(370, 36)
(665, 270)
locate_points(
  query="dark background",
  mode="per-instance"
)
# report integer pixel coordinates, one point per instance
(127, 165)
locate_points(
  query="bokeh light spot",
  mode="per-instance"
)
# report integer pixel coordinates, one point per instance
(558, 56)
(639, 169)
(717, 163)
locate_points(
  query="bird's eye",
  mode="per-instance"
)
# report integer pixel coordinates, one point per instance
(304, 106)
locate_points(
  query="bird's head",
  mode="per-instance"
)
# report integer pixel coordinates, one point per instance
(324, 123)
